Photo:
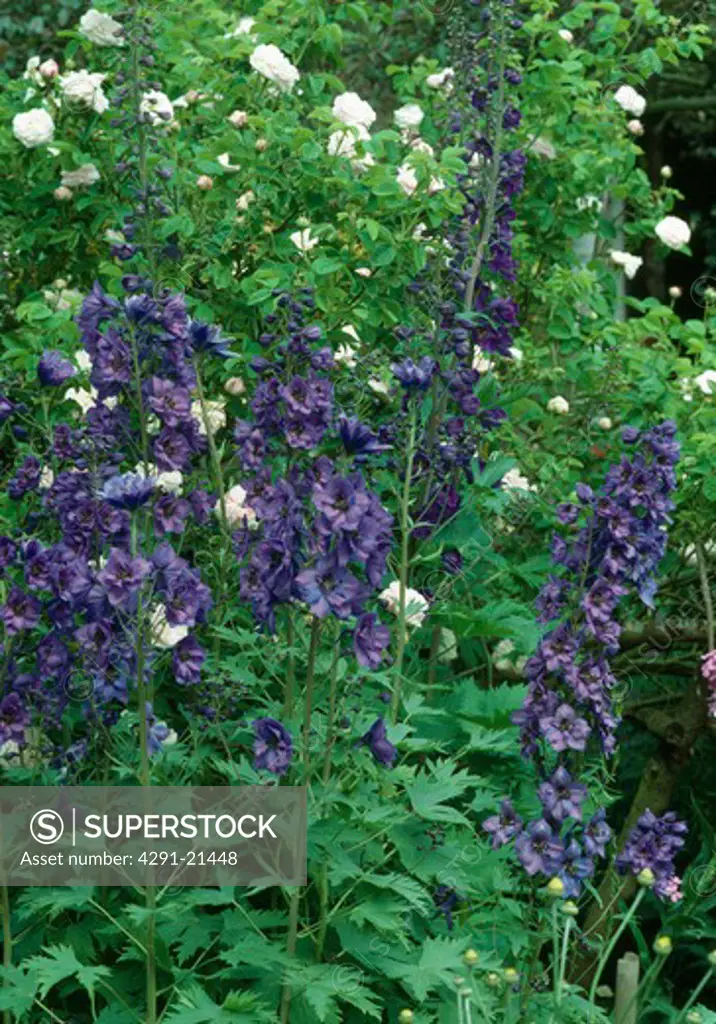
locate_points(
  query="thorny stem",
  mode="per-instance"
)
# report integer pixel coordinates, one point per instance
(403, 570)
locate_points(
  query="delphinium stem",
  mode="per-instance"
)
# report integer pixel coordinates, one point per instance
(604, 958)
(6, 942)
(403, 569)
(695, 994)
(289, 694)
(331, 724)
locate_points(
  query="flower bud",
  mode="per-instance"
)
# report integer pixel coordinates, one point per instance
(555, 887)
(693, 1017)
(662, 945)
(493, 980)
(62, 194)
(405, 1017)
(604, 423)
(239, 119)
(666, 172)
(235, 386)
(675, 292)
(49, 69)
(570, 908)
(470, 957)
(458, 980)
(635, 127)
(646, 878)
(204, 182)
(511, 975)
(712, 958)
(261, 145)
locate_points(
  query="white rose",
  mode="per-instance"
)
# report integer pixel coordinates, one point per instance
(604, 423)
(416, 606)
(239, 118)
(629, 263)
(245, 200)
(235, 386)
(517, 354)
(237, 511)
(85, 88)
(33, 128)
(630, 100)
(215, 415)
(169, 482)
(635, 127)
(408, 116)
(542, 147)
(49, 69)
(705, 380)
(62, 194)
(589, 202)
(565, 34)
(513, 480)
(47, 478)
(32, 72)
(204, 183)
(164, 635)
(156, 107)
(87, 174)
(558, 405)
(364, 272)
(421, 146)
(304, 240)
(352, 110)
(100, 28)
(268, 60)
(440, 79)
(481, 363)
(673, 231)
(345, 355)
(343, 143)
(407, 179)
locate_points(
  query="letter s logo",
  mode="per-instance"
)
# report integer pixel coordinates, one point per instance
(47, 827)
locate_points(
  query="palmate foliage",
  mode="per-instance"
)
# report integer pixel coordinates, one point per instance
(408, 910)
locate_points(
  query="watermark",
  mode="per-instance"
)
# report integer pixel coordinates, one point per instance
(204, 835)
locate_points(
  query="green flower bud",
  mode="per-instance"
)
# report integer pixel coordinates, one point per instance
(493, 980)
(570, 908)
(555, 887)
(470, 957)
(662, 945)
(405, 1017)
(646, 878)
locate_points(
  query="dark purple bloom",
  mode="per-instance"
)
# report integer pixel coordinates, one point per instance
(14, 719)
(128, 491)
(171, 403)
(343, 501)
(187, 660)
(329, 589)
(597, 834)
(202, 504)
(53, 369)
(446, 900)
(564, 730)
(370, 640)
(273, 747)
(573, 868)
(26, 479)
(204, 338)
(539, 848)
(376, 739)
(503, 826)
(20, 611)
(171, 514)
(8, 552)
(413, 375)
(358, 439)
(653, 844)
(561, 797)
(6, 408)
(122, 577)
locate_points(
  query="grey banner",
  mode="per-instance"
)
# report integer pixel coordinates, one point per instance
(205, 835)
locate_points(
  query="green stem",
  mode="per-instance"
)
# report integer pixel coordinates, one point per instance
(6, 942)
(331, 725)
(604, 958)
(403, 570)
(695, 994)
(289, 693)
(291, 951)
(563, 961)
(555, 952)
(308, 706)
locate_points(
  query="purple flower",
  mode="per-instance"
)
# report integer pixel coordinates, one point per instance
(343, 501)
(53, 369)
(597, 834)
(370, 640)
(128, 491)
(539, 848)
(273, 747)
(564, 730)
(122, 577)
(446, 900)
(653, 844)
(157, 732)
(561, 796)
(503, 826)
(204, 338)
(26, 479)
(187, 660)
(358, 439)
(20, 611)
(328, 589)
(14, 719)
(573, 868)
(171, 514)
(415, 376)
(171, 403)
(377, 741)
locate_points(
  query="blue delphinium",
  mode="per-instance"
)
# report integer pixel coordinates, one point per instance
(273, 746)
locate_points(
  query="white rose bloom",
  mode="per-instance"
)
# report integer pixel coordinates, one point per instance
(33, 128)
(436, 185)
(629, 263)
(604, 423)
(343, 143)
(558, 405)
(408, 116)
(635, 127)
(421, 146)
(215, 415)
(84, 88)
(673, 231)
(630, 100)
(32, 71)
(235, 386)
(157, 107)
(353, 111)
(100, 28)
(407, 179)
(49, 69)
(268, 60)
(242, 29)
(304, 240)
(364, 272)
(441, 79)
(169, 482)
(481, 363)
(245, 200)
(164, 635)
(665, 172)
(62, 194)
(87, 174)
(86, 398)
(239, 118)
(237, 511)
(565, 34)
(416, 606)
(47, 479)
(705, 381)
(513, 480)
(345, 355)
